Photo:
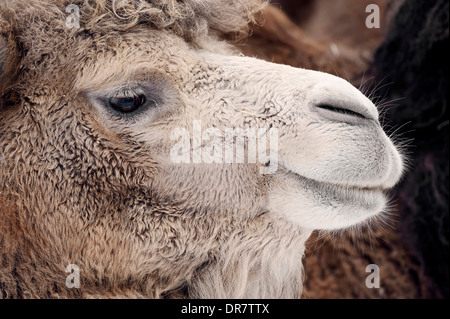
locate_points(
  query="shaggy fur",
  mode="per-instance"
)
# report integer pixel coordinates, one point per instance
(81, 185)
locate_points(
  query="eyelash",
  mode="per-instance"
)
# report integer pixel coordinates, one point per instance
(133, 95)
(127, 101)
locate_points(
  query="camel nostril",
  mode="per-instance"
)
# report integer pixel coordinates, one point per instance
(340, 110)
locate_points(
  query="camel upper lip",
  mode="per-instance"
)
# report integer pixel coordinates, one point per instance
(338, 185)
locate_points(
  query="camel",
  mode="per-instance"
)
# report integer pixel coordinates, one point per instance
(86, 178)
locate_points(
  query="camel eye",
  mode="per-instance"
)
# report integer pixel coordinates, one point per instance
(127, 101)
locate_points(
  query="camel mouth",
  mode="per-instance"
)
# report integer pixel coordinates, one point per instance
(314, 204)
(369, 190)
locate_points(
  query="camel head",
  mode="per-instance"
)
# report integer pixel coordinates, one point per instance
(106, 136)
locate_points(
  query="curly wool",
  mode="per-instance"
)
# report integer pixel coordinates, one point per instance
(189, 19)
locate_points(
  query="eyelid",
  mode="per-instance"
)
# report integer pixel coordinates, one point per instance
(128, 91)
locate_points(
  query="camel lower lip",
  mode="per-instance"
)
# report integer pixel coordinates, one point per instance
(342, 187)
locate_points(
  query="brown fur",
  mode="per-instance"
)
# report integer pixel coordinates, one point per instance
(73, 192)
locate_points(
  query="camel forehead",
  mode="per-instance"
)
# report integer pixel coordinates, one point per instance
(132, 56)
